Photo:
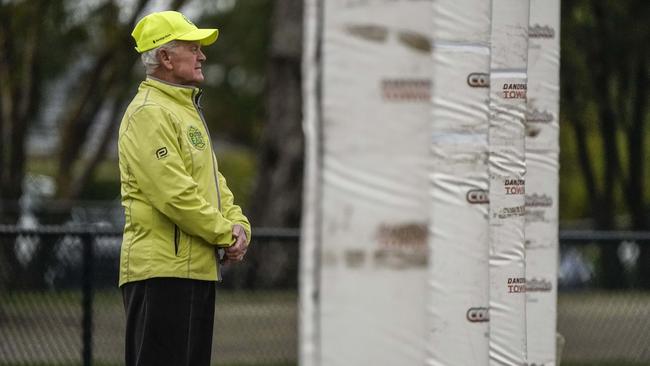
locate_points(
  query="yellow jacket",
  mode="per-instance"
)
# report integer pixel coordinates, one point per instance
(177, 205)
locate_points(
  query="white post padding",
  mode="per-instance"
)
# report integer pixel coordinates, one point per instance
(430, 213)
(542, 181)
(376, 87)
(507, 167)
(458, 241)
(308, 330)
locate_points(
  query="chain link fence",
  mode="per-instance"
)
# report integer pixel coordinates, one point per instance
(59, 304)
(603, 300)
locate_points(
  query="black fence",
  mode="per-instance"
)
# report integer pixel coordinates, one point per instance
(59, 303)
(604, 260)
(603, 308)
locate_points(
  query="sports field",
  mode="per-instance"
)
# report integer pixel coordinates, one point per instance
(251, 328)
(612, 326)
(260, 328)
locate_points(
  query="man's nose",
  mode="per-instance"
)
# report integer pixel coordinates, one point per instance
(202, 56)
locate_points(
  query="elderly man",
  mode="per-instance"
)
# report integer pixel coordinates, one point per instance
(179, 210)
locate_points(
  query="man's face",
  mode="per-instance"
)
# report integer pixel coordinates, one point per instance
(186, 61)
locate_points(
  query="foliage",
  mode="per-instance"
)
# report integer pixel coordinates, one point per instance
(89, 51)
(23, 44)
(236, 71)
(93, 57)
(605, 72)
(604, 104)
(238, 166)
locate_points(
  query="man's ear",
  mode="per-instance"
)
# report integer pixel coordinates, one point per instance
(165, 60)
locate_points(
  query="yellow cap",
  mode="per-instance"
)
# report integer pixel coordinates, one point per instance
(159, 28)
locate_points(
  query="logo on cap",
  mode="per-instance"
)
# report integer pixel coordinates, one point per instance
(162, 38)
(187, 20)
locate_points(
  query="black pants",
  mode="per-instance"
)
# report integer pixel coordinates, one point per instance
(169, 322)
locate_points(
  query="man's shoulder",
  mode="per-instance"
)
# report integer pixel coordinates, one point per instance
(145, 97)
(146, 114)
(143, 104)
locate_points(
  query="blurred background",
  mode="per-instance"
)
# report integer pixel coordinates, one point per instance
(68, 69)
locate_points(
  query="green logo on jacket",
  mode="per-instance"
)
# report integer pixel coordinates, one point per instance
(196, 138)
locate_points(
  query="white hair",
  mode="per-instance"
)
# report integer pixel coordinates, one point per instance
(150, 58)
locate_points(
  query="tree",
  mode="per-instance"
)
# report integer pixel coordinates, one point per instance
(24, 45)
(21, 77)
(278, 196)
(105, 84)
(604, 73)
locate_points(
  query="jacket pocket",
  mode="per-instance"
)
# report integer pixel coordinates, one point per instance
(177, 239)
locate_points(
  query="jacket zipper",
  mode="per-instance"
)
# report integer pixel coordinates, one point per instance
(195, 100)
(176, 239)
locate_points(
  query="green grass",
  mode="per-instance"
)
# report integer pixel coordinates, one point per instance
(252, 328)
(119, 364)
(49, 298)
(258, 328)
(609, 363)
(53, 364)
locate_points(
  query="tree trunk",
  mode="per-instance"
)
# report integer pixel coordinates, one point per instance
(277, 196)
(636, 191)
(19, 91)
(278, 190)
(112, 70)
(611, 267)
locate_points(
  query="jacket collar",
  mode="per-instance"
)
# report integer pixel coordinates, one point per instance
(183, 94)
